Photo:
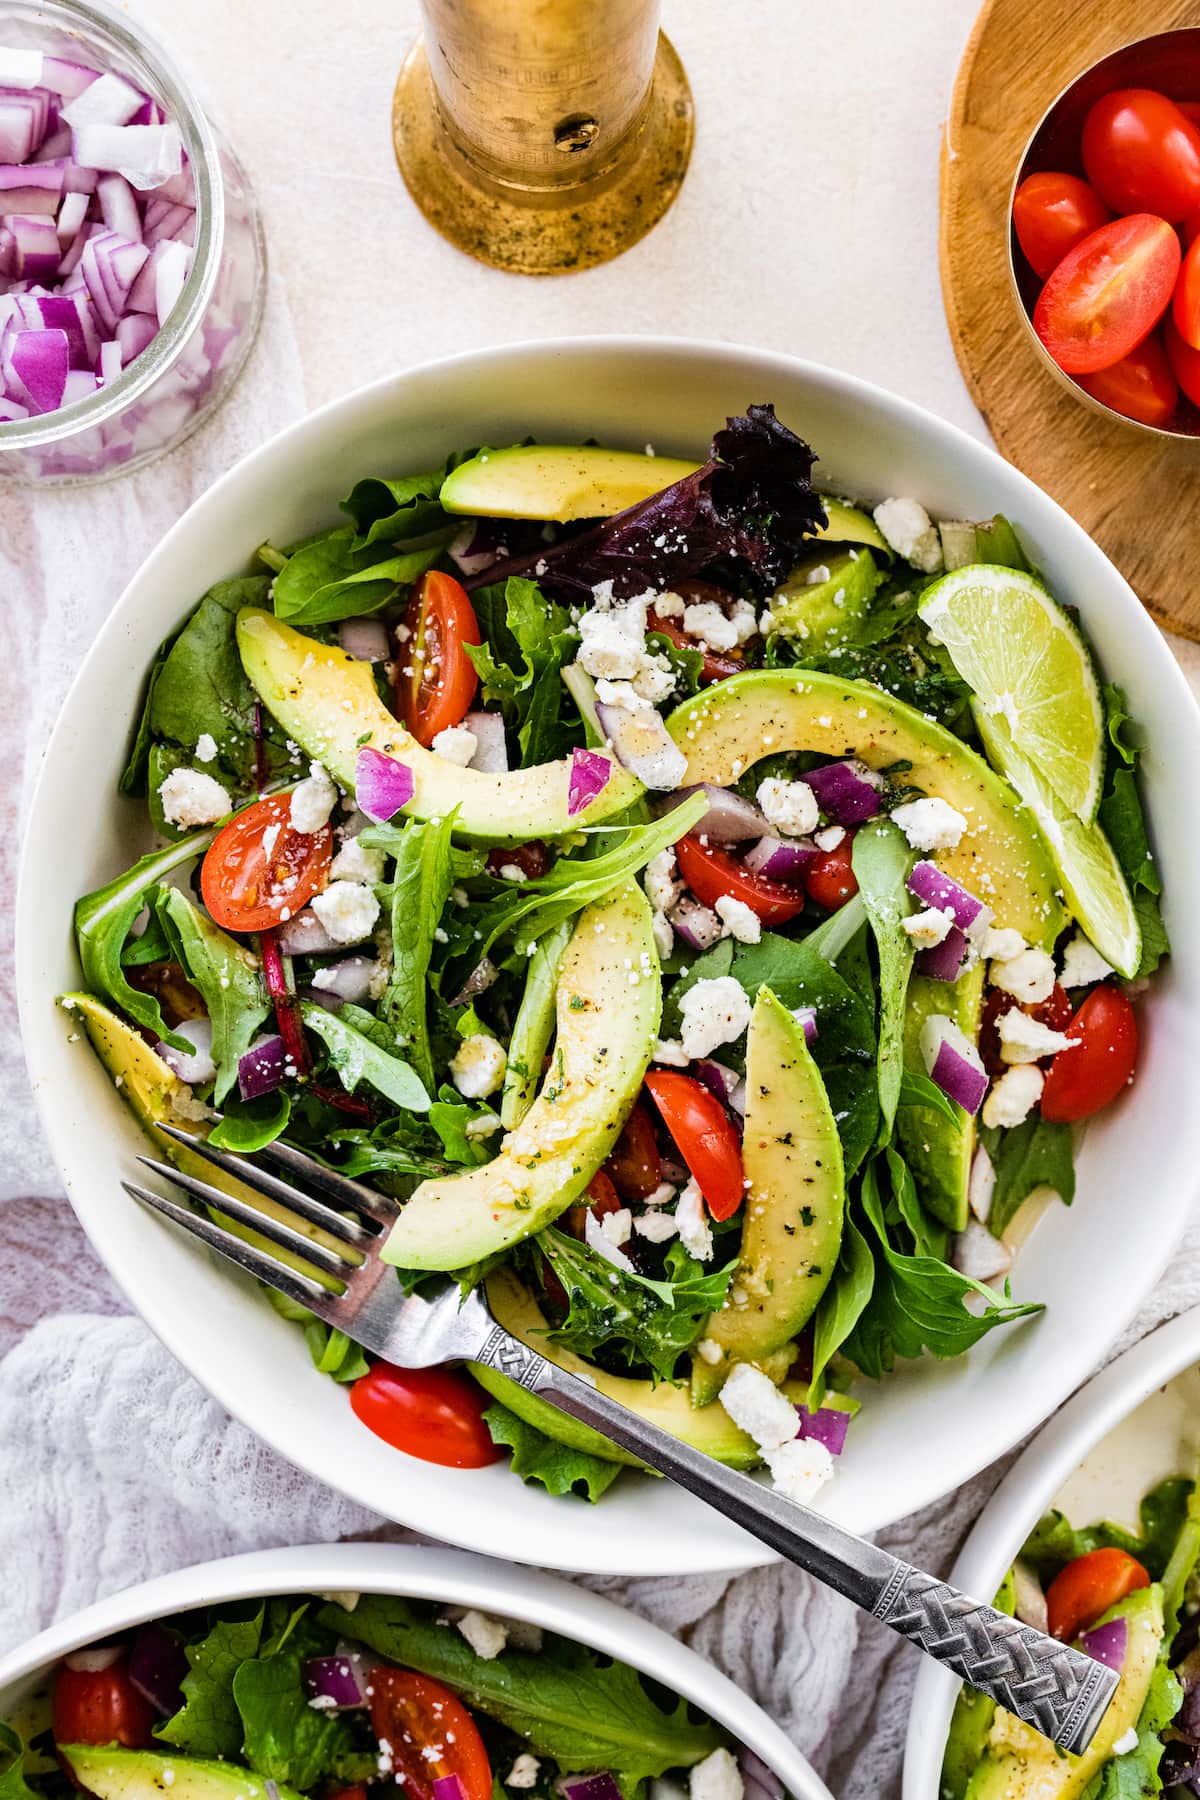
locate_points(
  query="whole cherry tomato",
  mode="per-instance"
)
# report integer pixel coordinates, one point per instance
(1185, 362)
(705, 1135)
(435, 678)
(635, 1166)
(429, 1734)
(1185, 307)
(1099, 1063)
(1189, 231)
(831, 880)
(714, 874)
(1141, 386)
(259, 870)
(1142, 154)
(1087, 1587)
(1051, 214)
(433, 1414)
(101, 1706)
(1108, 293)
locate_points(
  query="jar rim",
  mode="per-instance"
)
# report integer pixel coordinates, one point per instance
(143, 52)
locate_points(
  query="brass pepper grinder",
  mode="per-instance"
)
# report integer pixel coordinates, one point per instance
(543, 136)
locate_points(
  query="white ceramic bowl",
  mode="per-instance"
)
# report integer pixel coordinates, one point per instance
(446, 1576)
(934, 1425)
(1126, 1441)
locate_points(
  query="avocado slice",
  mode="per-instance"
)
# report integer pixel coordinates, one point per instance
(557, 481)
(608, 1001)
(971, 1720)
(114, 1774)
(1002, 856)
(796, 1192)
(327, 702)
(851, 525)
(819, 612)
(936, 1149)
(1018, 1763)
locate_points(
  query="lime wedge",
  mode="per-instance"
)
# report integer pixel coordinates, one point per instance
(1094, 886)
(1016, 647)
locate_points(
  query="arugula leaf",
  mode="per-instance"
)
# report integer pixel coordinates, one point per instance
(527, 640)
(1034, 1154)
(102, 924)
(13, 1785)
(1123, 822)
(563, 1701)
(328, 578)
(355, 1058)
(916, 1089)
(332, 1352)
(450, 1115)
(285, 1738)
(1163, 1514)
(208, 1724)
(418, 894)
(882, 862)
(639, 1319)
(392, 510)
(541, 1459)
(840, 1306)
(201, 685)
(225, 974)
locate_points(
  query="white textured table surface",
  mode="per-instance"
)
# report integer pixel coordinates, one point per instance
(808, 223)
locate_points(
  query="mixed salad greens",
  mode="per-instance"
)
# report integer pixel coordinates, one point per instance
(708, 909)
(347, 1695)
(1130, 1599)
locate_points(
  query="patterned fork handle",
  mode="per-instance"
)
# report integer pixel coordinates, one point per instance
(1054, 1688)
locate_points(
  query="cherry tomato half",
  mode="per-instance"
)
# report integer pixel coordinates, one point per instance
(1142, 154)
(435, 678)
(1051, 214)
(1087, 1587)
(601, 1198)
(1141, 386)
(260, 871)
(1055, 1011)
(1108, 293)
(1092, 1073)
(101, 1706)
(705, 1135)
(714, 874)
(1185, 307)
(831, 880)
(1185, 362)
(429, 1733)
(717, 664)
(635, 1166)
(433, 1414)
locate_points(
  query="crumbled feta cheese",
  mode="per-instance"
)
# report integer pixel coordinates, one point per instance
(196, 1066)
(485, 1126)
(927, 928)
(1029, 976)
(190, 798)
(829, 838)
(790, 806)
(1127, 1742)
(524, 1772)
(975, 1252)
(695, 1233)
(655, 680)
(348, 911)
(478, 1065)
(206, 747)
(1026, 1040)
(713, 1012)
(708, 623)
(739, 920)
(617, 1226)
(1002, 945)
(799, 1469)
(758, 1408)
(911, 533)
(663, 1195)
(709, 1351)
(656, 1227)
(486, 1635)
(930, 823)
(716, 1778)
(612, 639)
(621, 694)
(670, 1054)
(816, 575)
(313, 800)
(354, 862)
(1012, 1098)
(745, 620)
(662, 882)
(663, 933)
(456, 744)
(512, 872)
(981, 1185)
(1082, 963)
(669, 605)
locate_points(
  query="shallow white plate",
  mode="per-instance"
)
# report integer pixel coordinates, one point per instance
(446, 1576)
(934, 1425)
(1135, 1424)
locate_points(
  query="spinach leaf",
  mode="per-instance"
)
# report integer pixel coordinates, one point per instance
(208, 1724)
(916, 1089)
(102, 924)
(249, 1125)
(329, 579)
(565, 1702)
(13, 1785)
(540, 1459)
(286, 1739)
(202, 687)
(882, 864)
(133, 776)
(1034, 1154)
(225, 974)
(519, 664)
(389, 511)
(354, 1058)
(418, 894)
(840, 1306)
(1163, 1514)
(1123, 822)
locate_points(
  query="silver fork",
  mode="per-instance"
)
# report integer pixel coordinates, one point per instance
(1058, 1690)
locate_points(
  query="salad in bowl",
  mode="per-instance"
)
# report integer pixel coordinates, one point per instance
(711, 905)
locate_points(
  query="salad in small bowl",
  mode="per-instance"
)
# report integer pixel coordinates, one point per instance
(709, 903)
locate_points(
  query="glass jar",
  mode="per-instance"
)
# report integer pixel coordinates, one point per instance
(192, 362)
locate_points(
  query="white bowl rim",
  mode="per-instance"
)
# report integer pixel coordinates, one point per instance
(1019, 1502)
(454, 1577)
(732, 1548)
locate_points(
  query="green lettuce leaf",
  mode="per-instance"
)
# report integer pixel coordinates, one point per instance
(420, 888)
(1163, 1514)
(208, 1724)
(547, 1463)
(328, 578)
(1121, 818)
(1037, 1153)
(882, 864)
(1134, 1775)
(286, 1739)
(390, 511)
(13, 1785)
(332, 1352)
(354, 1058)
(841, 1306)
(527, 639)
(226, 975)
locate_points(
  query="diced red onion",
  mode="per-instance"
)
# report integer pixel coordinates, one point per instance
(304, 935)
(642, 744)
(93, 1659)
(589, 1787)
(476, 547)
(590, 775)
(934, 888)
(35, 188)
(118, 207)
(134, 333)
(349, 980)
(758, 1778)
(262, 1068)
(953, 1063)
(39, 362)
(975, 1252)
(366, 640)
(109, 100)
(697, 924)
(847, 791)
(448, 1787)
(146, 155)
(35, 246)
(781, 859)
(730, 819)
(806, 1018)
(18, 136)
(334, 1679)
(21, 68)
(382, 785)
(197, 1064)
(1107, 1644)
(491, 747)
(65, 78)
(596, 1240)
(157, 1666)
(981, 1184)
(1029, 1597)
(944, 961)
(171, 263)
(719, 1080)
(12, 409)
(110, 361)
(828, 1426)
(477, 982)
(80, 383)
